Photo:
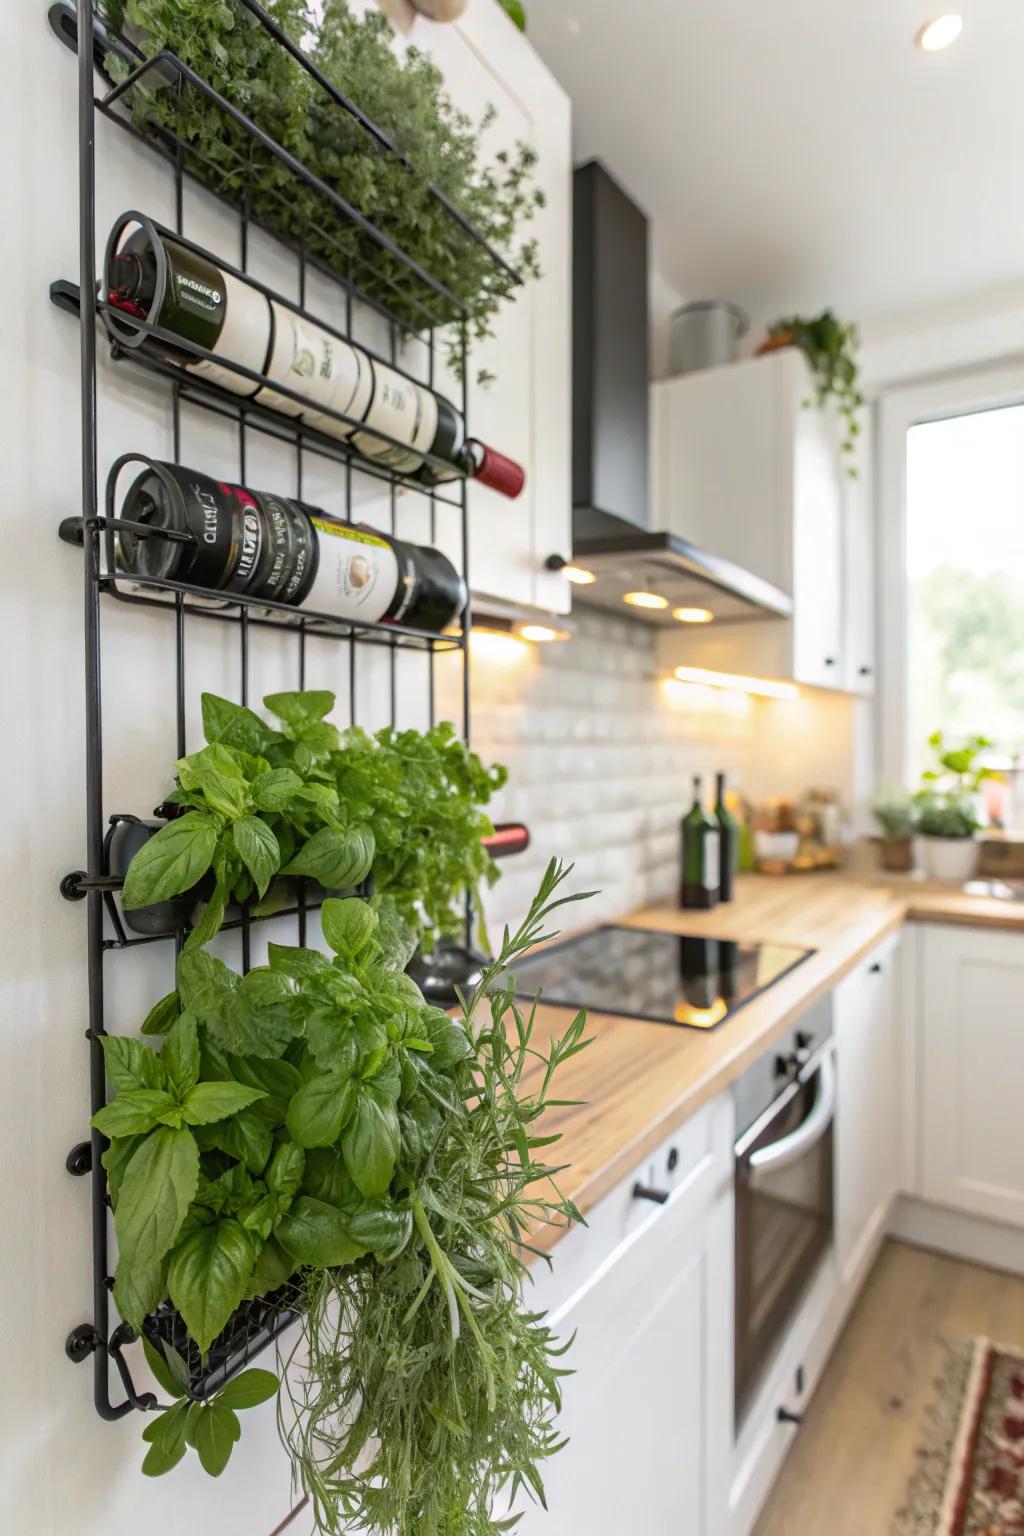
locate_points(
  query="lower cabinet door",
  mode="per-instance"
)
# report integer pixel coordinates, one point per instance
(972, 1071)
(648, 1407)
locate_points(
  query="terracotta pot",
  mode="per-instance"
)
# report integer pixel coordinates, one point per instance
(776, 343)
(896, 855)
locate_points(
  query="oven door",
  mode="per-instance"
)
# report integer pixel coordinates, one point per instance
(784, 1212)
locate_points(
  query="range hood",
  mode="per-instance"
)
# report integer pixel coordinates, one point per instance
(612, 536)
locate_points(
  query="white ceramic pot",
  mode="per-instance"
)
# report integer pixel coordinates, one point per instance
(952, 859)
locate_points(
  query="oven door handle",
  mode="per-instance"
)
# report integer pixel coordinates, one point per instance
(789, 1149)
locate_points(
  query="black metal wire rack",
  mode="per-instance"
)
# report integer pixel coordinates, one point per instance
(425, 304)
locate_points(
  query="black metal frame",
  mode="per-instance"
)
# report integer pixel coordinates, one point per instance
(246, 1334)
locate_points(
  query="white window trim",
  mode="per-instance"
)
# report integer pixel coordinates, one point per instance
(897, 411)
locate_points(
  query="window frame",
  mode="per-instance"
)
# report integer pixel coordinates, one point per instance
(897, 410)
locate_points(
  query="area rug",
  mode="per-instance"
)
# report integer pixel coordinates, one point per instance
(970, 1479)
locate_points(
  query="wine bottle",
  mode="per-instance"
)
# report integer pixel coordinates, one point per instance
(183, 292)
(227, 538)
(699, 886)
(728, 841)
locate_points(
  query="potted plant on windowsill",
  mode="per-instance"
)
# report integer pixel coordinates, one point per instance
(893, 810)
(946, 809)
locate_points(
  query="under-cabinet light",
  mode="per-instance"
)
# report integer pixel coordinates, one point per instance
(578, 575)
(645, 600)
(938, 34)
(765, 687)
(541, 634)
(693, 615)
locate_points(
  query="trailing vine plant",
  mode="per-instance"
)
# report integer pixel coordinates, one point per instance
(315, 1135)
(404, 95)
(830, 348)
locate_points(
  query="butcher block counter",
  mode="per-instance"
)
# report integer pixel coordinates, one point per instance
(637, 1082)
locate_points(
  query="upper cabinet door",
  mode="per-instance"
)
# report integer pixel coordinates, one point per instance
(524, 411)
(817, 500)
(859, 578)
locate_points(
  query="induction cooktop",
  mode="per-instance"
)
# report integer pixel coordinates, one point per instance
(665, 978)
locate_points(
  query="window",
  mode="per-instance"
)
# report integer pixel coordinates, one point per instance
(965, 581)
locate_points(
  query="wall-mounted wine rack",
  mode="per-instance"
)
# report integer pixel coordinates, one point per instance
(418, 307)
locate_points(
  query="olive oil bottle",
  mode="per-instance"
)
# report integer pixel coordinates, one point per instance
(700, 882)
(728, 841)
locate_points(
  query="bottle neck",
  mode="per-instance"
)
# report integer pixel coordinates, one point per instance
(132, 283)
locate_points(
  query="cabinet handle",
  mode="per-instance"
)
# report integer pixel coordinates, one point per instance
(787, 1416)
(830, 661)
(876, 969)
(645, 1192)
(864, 671)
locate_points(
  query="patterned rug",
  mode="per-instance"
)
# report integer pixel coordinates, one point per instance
(970, 1481)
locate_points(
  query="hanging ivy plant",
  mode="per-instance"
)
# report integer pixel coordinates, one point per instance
(404, 95)
(830, 347)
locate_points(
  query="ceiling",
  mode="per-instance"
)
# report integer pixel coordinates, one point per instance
(799, 153)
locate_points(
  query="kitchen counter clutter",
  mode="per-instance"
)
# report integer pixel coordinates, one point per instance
(638, 1081)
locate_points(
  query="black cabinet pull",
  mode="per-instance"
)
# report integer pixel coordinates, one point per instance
(875, 969)
(645, 1192)
(864, 671)
(830, 661)
(787, 1416)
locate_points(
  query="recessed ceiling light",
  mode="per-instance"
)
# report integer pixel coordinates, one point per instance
(938, 34)
(693, 615)
(645, 600)
(578, 575)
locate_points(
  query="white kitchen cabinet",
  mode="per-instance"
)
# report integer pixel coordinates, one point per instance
(971, 1070)
(859, 646)
(648, 1409)
(865, 1014)
(742, 467)
(525, 411)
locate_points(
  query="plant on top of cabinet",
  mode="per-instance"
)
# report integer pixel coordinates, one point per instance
(314, 1136)
(439, 147)
(831, 349)
(304, 798)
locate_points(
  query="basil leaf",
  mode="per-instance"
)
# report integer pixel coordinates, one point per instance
(348, 926)
(271, 1270)
(208, 1102)
(332, 1040)
(285, 1169)
(303, 708)
(299, 963)
(278, 1081)
(271, 791)
(208, 1276)
(383, 1228)
(213, 912)
(162, 1015)
(248, 1390)
(156, 1192)
(116, 1159)
(215, 1433)
(138, 1110)
(166, 1437)
(130, 1063)
(159, 1365)
(246, 1136)
(338, 860)
(139, 1288)
(205, 984)
(233, 725)
(263, 1016)
(370, 1141)
(179, 1057)
(320, 1109)
(258, 850)
(314, 1233)
(326, 1178)
(171, 861)
(398, 938)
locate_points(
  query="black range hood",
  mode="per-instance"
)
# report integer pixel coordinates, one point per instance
(612, 536)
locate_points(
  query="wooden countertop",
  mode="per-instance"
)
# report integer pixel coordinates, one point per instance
(637, 1082)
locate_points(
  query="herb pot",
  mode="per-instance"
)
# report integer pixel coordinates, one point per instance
(125, 838)
(447, 967)
(706, 334)
(896, 854)
(950, 859)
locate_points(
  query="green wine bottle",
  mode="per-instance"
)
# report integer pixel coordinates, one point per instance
(728, 841)
(699, 887)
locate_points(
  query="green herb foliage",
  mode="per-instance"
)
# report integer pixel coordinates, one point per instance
(209, 1427)
(831, 349)
(302, 798)
(404, 96)
(946, 805)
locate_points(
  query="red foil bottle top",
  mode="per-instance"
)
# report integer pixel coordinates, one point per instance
(492, 468)
(507, 837)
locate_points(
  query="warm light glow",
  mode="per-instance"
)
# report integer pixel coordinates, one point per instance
(693, 615)
(940, 33)
(645, 600)
(540, 634)
(765, 687)
(702, 1018)
(497, 645)
(578, 575)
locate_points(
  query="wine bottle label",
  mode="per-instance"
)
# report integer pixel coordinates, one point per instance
(243, 335)
(405, 411)
(358, 572)
(318, 366)
(711, 861)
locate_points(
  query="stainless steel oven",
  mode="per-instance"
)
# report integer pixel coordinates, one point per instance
(784, 1198)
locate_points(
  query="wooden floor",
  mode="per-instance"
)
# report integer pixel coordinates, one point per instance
(849, 1468)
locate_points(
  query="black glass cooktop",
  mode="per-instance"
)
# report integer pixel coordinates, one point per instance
(663, 977)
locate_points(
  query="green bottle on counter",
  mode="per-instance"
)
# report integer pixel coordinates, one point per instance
(728, 841)
(699, 887)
